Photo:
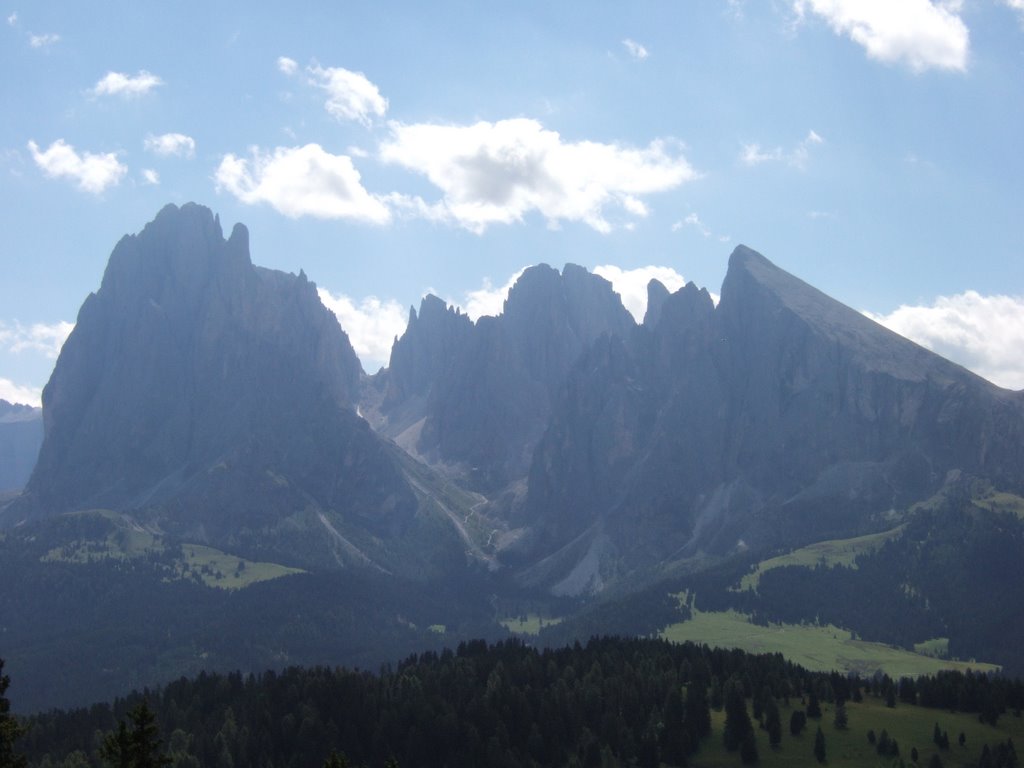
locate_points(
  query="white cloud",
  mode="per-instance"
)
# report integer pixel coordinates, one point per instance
(171, 144)
(371, 325)
(631, 284)
(692, 220)
(982, 333)
(287, 66)
(491, 173)
(350, 95)
(13, 393)
(635, 50)
(488, 301)
(753, 154)
(150, 176)
(302, 181)
(120, 84)
(918, 33)
(12, 19)
(93, 172)
(43, 41)
(43, 338)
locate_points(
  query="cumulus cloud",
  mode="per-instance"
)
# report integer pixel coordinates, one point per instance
(171, 144)
(350, 95)
(93, 172)
(149, 176)
(301, 181)
(43, 338)
(754, 154)
(14, 393)
(631, 284)
(488, 300)
(496, 173)
(635, 50)
(127, 86)
(43, 41)
(287, 66)
(918, 33)
(371, 325)
(982, 333)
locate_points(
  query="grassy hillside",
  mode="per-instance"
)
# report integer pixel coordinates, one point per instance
(910, 726)
(817, 648)
(828, 553)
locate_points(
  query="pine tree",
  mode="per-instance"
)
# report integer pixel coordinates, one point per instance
(797, 721)
(772, 722)
(748, 749)
(819, 746)
(737, 721)
(814, 706)
(137, 746)
(841, 718)
(10, 729)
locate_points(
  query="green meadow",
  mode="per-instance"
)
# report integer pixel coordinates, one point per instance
(818, 648)
(910, 726)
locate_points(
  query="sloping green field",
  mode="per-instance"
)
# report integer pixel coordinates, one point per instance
(830, 553)
(820, 649)
(911, 727)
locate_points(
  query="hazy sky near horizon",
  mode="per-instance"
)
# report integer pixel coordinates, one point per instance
(871, 147)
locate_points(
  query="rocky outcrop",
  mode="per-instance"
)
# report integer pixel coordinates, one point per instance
(477, 396)
(216, 396)
(21, 434)
(779, 417)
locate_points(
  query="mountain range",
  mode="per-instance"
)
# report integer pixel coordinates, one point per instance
(557, 450)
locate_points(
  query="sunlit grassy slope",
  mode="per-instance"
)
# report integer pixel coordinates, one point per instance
(911, 727)
(820, 649)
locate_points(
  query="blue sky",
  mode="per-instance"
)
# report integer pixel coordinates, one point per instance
(871, 147)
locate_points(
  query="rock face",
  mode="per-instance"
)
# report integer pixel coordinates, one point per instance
(217, 396)
(778, 417)
(478, 396)
(21, 434)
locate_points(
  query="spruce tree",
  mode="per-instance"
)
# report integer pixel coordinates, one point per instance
(10, 729)
(819, 746)
(772, 722)
(737, 721)
(841, 718)
(813, 706)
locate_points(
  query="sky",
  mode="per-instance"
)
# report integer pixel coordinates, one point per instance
(873, 148)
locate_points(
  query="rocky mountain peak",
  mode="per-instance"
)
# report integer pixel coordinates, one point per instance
(185, 354)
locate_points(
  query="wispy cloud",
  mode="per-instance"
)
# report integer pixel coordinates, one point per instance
(798, 156)
(171, 144)
(982, 333)
(301, 181)
(93, 172)
(149, 176)
(635, 50)
(497, 173)
(287, 66)
(371, 324)
(350, 95)
(43, 41)
(12, 19)
(127, 86)
(41, 338)
(917, 33)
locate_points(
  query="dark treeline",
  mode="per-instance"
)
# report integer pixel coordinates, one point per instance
(611, 701)
(61, 622)
(950, 574)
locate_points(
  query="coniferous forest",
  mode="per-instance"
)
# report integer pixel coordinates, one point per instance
(628, 702)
